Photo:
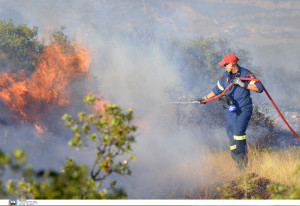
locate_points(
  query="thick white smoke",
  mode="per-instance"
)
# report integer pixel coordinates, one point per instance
(140, 75)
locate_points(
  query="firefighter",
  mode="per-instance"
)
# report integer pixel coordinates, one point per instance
(238, 107)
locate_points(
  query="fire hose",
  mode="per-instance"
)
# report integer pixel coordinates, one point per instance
(267, 93)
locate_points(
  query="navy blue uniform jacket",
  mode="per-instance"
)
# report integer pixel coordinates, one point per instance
(240, 95)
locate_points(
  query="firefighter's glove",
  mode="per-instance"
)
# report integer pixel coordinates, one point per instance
(239, 82)
(202, 99)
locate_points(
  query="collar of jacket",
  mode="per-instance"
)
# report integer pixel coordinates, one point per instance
(237, 74)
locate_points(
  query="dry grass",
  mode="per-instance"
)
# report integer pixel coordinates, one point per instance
(277, 166)
(202, 177)
(219, 166)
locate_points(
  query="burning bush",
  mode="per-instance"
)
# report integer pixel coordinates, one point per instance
(29, 95)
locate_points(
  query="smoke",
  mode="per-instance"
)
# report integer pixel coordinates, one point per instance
(140, 77)
(132, 69)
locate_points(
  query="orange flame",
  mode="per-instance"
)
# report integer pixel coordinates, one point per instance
(54, 70)
(38, 128)
(295, 117)
(99, 103)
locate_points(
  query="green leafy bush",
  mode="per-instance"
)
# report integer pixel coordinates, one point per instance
(19, 46)
(109, 130)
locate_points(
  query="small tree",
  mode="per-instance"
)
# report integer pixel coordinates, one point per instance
(109, 129)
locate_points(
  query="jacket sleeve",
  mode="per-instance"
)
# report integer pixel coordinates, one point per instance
(259, 87)
(257, 84)
(219, 88)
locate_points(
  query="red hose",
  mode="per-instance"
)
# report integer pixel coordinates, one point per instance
(257, 80)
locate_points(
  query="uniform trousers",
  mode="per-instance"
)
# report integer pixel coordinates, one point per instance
(236, 126)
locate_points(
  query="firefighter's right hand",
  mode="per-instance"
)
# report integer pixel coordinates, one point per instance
(202, 99)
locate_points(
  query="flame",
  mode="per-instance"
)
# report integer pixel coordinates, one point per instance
(99, 103)
(38, 128)
(55, 68)
(295, 117)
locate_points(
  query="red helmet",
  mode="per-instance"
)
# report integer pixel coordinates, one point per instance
(229, 58)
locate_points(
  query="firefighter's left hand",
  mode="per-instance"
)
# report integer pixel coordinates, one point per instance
(239, 82)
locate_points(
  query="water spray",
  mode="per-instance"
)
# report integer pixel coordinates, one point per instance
(193, 102)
